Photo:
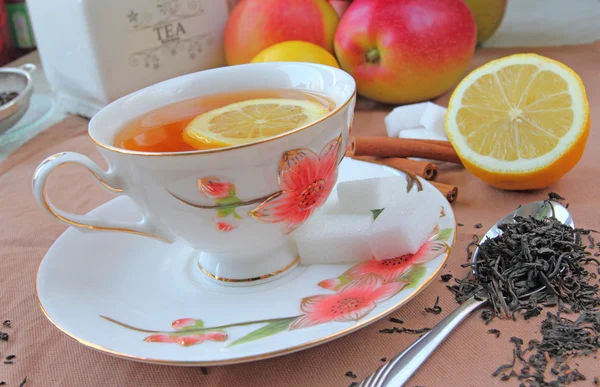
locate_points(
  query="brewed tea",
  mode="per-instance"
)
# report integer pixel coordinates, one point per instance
(162, 130)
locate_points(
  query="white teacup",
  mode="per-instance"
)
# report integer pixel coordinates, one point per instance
(237, 206)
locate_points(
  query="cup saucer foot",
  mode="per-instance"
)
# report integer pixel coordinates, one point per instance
(251, 270)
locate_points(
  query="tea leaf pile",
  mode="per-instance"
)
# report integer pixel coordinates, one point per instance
(530, 254)
(538, 263)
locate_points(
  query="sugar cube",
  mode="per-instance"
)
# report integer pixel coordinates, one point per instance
(371, 194)
(331, 205)
(404, 117)
(424, 134)
(334, 239)
(403, 229)
(434, 118)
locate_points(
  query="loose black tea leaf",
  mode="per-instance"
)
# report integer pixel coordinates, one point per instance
(470, 246)
(2, 383)
(353, 384)
(446, 277)
(23, 382)
(6, 324)
(396, 320)
(4, 336)
(204, 370)
(478, 225)
(7, 96)
(10, 357)
(596, 381)
(494, 331)
(555, 196)
(8, 362)
(383, 359)
(351, 374)
(404, 330)
(506, 366)
(460, 224)
(592, 241)
(505, 377)
(436, 308)
(487, 316)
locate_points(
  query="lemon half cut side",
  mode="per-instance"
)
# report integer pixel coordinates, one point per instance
(520, 122)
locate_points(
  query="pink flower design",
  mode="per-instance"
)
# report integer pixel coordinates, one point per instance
(214, 188)
(184, 323)
(353, 302)
(305, 179)
(226, 220)
(389, 270)
(187, 340)
(223, 226)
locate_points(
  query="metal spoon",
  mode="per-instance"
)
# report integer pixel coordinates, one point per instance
(399, 369)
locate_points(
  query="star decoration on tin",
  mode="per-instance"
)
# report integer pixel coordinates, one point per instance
(133, 17)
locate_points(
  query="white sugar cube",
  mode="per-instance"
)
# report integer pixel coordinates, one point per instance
(433, 118)
(423, 134)
(331, 205)
(403, 229)
(371, 194)
(404, 117)
(334, 239)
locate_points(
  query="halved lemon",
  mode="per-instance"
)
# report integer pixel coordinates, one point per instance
(250, 121)
(520, 122)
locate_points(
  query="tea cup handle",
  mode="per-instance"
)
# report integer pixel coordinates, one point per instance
(106, 179)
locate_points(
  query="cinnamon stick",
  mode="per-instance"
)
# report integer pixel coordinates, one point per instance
(426, 170)
(434, 142)
(401, 147)
(450, 191)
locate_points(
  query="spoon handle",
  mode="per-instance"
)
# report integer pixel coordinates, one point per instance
(403, 366)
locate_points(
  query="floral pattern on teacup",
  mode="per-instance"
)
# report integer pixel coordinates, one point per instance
(354, 295)
(306, 180)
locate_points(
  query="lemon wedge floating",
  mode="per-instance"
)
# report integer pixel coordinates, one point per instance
(250, 121)
(520, 122)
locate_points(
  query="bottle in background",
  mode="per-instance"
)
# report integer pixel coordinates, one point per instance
(7, 48)
(20, 26)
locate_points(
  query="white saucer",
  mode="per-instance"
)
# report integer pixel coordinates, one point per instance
(149, 285)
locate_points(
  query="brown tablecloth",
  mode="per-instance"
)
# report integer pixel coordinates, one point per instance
(467, 358)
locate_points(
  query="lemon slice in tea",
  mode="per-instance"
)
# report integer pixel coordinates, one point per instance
(250, 121)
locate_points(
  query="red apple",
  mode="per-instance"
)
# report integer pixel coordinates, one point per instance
(254, 25)
(405, 51)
